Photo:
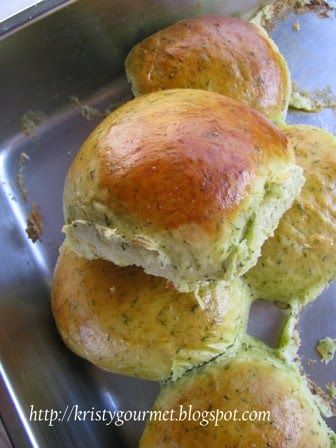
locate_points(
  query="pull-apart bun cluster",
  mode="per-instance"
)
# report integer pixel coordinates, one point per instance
(184, 205)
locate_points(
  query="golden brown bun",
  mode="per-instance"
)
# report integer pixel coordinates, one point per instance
(186, 183)
(221, 54)
(128, 322)
(250, 382)
(301, 257)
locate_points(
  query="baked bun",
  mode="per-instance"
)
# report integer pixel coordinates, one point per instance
(221, 54)
(250, 383)
(186, 183)
(301, 257)
(128, 322)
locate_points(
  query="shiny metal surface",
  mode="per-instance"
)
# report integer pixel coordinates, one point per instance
(28, 14)
(79, 50)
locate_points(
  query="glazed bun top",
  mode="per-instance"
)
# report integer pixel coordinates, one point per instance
(274, 407)
(301, 257)
(131, 323)
(185, 183)
(221, 54)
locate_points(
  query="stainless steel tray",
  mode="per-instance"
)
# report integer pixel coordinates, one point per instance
(78, 50)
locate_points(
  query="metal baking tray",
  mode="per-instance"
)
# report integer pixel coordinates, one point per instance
(77, 50)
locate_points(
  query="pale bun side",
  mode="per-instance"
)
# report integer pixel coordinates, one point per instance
(299, 261)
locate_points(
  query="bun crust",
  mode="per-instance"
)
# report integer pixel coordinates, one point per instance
(177, 157)
(221, 54)
(300, 259)
(171, 173)
(247, 382)
(128, 322)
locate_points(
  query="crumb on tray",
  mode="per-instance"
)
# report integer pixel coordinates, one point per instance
(311, 361)
(301, 3)
(30, 121)
(301, 101)
(331, 389)
(313, 101)
(86, 111)
(263, 16)
(34, 227)
(326, 349)
(322, 398)
(296, 26)
(270, 14)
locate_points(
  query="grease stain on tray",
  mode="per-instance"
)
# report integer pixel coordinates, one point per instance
(34, 227)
